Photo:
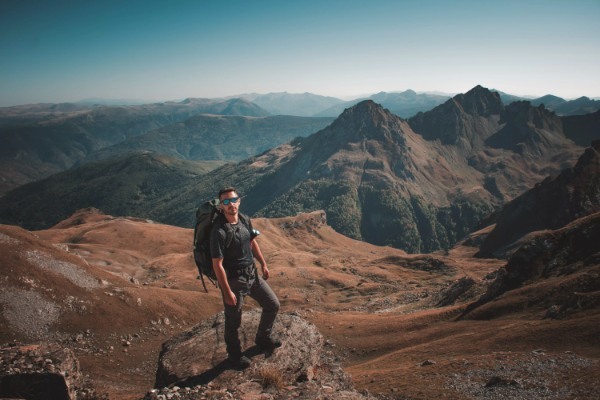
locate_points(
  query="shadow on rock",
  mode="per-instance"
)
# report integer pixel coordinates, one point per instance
(198, 358)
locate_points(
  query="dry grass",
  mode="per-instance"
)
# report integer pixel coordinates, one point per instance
(270, 377)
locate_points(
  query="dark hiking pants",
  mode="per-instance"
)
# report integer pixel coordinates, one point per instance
(260, 291)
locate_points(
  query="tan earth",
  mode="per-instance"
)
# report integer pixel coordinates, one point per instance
(115, 289)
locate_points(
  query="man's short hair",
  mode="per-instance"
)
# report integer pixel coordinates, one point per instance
(226, 190)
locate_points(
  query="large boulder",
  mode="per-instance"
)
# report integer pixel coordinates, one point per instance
(197, 362)
(42, 372)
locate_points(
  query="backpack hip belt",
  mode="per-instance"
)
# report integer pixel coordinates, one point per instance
(248, 272)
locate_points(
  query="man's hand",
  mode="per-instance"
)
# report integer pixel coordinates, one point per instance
(265, 271)
(230, 298)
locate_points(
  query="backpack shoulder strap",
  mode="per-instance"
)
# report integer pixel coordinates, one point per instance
(228, 235)
(229, 229)
(245, 220)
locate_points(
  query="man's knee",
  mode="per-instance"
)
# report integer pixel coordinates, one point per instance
(276, 304)
(272, 305)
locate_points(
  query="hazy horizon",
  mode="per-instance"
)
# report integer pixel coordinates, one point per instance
(64, 51)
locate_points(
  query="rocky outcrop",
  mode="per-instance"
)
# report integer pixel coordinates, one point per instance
(42, 372)
(568, 252)
(195, 363)
(456, 291)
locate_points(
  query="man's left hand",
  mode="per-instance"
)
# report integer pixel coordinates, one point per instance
(265, 272)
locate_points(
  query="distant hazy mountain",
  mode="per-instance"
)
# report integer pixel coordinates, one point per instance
(580, 106)
(508, 98)
(217, 137)
(43, 139)
(404, 104)
(95, 101)
(560, 106)
(121, 186)
(301, 104)
(234, 107)
(549, 101)
(31, 113)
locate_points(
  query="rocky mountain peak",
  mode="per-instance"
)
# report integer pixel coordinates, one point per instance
(522, 113)
(367, 120)
(479, 101)
(466, 120)
(366, 107)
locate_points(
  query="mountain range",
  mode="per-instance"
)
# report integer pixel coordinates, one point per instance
(508, 309)
(419, 184)
(42, 139)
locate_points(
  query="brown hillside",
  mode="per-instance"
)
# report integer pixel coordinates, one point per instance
(391, 317)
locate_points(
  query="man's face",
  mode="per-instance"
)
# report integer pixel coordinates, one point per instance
(230, 203)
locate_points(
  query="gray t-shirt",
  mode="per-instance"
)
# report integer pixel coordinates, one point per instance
(239, 253)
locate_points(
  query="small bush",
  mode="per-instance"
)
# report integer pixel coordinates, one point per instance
(270, 377)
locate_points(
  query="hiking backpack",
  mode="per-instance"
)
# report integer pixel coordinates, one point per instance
(206, 215)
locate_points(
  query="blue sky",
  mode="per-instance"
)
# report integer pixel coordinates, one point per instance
(56, 51)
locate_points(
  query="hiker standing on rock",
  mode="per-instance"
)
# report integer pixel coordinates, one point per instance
(233, 264)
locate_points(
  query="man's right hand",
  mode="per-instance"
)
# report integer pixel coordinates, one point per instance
(230, 298)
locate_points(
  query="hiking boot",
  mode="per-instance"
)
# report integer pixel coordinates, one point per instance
(239, 362)
(268, 344)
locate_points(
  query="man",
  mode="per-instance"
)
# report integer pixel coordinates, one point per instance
(237, 276)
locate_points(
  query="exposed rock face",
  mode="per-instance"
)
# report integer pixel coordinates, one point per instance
(464, 120)
(42, 372)
(550, 205)
(572, 250)
(197, 360)
(528, 130)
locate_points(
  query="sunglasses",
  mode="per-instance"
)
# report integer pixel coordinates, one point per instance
(231, 200)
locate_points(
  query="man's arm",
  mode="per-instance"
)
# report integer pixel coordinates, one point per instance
(228, 295)
(258, 255)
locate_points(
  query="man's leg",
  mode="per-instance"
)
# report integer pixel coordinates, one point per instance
(266, 298)
(233, 320)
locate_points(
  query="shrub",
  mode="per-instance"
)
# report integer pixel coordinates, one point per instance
(270, 376)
